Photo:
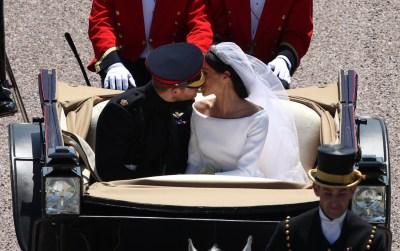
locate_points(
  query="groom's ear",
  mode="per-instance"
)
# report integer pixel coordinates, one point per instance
(191, 247)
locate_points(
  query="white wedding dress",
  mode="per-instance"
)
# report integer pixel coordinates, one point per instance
(262, 145)
(237, 147)
(227, 146)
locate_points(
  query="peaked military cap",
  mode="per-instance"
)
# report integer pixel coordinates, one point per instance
(335, 167)
(177, 64)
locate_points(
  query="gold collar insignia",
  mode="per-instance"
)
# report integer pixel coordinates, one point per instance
(177, 115)
(124, 102)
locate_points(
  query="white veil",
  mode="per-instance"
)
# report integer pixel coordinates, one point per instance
(280, 158)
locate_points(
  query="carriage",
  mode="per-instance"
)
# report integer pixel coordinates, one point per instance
(60, 203)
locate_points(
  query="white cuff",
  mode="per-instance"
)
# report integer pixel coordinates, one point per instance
(286, 60)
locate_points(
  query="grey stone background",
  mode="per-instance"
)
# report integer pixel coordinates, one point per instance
(359, 35)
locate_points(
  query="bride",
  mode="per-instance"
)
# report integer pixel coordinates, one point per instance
(242, 129)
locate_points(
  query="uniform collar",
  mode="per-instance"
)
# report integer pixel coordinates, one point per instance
(331, 228)
(156, 102)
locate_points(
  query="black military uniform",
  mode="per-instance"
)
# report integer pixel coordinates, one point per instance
(139, 133)
(304, 232)
(137, 129)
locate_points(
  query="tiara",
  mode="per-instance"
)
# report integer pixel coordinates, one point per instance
(214, 50)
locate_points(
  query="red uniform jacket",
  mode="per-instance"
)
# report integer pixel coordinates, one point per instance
(282, 23)
(119, 25)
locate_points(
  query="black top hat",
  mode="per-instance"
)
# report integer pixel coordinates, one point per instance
(177, 64)
(336, 167)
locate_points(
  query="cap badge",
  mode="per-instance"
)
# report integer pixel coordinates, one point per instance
(124, 102)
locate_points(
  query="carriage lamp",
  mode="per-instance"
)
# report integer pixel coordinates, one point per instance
(369, 203)
(61, 182)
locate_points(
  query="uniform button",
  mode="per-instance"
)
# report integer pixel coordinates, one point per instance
(121, 46)
(275, 41)
(272, 52)
(174, 34)
(117, 13)
(283, 17)
(118, 24)
(124, 102)
(176, 22)
(279, 28)
(178, 13)
(120, 35)
(229, 24)
(144, 42)
(229, 12)
(151, 40)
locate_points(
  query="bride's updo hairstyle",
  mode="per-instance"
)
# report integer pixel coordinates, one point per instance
(214, 62)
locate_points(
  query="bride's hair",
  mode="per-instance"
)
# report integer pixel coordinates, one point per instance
(220, 67)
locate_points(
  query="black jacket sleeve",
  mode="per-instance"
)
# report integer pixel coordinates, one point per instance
(277, 242)
(115, 129)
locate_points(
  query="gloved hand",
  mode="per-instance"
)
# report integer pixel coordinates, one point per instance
(118, 77)
(279, 67)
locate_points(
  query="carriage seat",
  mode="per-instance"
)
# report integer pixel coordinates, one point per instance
(91, 137)
(308, 124)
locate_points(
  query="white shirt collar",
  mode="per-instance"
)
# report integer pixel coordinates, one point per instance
(148, 9)
(256, 9)
(331, 228)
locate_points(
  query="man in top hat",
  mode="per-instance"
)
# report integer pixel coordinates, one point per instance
(331, 226)
(145, 131)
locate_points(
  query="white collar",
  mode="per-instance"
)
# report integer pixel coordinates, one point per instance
(325, 218)
(331, 228)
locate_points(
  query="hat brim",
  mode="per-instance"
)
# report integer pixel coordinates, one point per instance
(313, 172)
(195, 84)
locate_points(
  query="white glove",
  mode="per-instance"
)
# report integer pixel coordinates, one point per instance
(118, 77)
(279, 67)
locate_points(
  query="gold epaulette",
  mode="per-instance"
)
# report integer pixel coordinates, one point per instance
(371, 238)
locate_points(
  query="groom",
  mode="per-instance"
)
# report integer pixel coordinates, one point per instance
(145, 131)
